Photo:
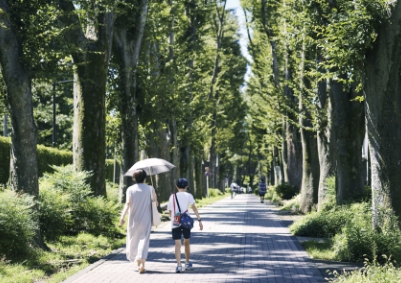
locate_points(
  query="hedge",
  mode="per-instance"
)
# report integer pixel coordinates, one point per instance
(46, 156)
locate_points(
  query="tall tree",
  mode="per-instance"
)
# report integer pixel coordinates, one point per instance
(219, 23)
(127, 43)
(15, 35)
(90, 39)
(383, 115)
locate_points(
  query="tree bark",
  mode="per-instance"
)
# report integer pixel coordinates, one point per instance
(383, 115)
(325, 141)
(90, 55)
(310, 167)
(214, 96)
(310, 159)
(349, 132)
(126, 46)
(292, 145)
(186, 151)
(17, 78)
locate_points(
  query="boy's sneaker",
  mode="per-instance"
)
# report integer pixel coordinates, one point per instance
(188, 266)
(178, 269)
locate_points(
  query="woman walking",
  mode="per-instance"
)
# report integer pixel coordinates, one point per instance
(139, 219)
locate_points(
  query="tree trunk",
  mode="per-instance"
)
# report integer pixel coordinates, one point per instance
(349, 132)
(310, 159)
(91, 58)
(199, 183)
(23, 161)
(383, 114)
(293, 154)
(292, 145)
(126, 47)
(213, 94)
(163, 184)
(310, 168)
(324, 141)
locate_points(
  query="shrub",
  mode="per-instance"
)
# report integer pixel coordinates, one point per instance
(328, 223)
(286, 191)
(372, 273)
(293, 204)
(55, 213)
(17, 224)
(214, 192)
(113, 192)
(354, 243)
(256, 191)
(68, 207)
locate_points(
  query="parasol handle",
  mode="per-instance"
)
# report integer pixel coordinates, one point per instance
(150, 173)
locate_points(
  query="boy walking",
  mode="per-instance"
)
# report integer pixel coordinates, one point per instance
(185, 201)
(262, 189)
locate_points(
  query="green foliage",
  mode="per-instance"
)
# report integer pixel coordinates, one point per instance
(49, 156)
(256, 191)
(17, 224)
(329, 197)
(373, 272)
(215, 192)
(67, 256)
(319, 249)
(358, 241)
(67, 205)
(286, 191)
(329, 222)
(293, 204)
(350, 228)
(55, 213)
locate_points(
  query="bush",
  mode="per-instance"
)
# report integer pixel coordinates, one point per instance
(17, 224)
(293, 204)
(68, 207)
(47, 156)
(215, 192)
(358, 241)
(286, 191)
(256, 191)
(113, 192)
(372, 273)
(55, 213)
(328, 223)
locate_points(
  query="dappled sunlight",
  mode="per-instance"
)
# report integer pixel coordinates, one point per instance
(242, 240)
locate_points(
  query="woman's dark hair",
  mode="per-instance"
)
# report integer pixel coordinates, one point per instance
(139, 175)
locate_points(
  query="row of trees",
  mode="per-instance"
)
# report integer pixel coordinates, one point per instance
(328, 72)
(158, 79)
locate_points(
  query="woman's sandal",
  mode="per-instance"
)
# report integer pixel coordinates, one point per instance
(141, 269)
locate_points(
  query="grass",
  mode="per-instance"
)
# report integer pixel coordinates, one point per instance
(206, 201)
(372, 273)
(319, 250)
(66, 257)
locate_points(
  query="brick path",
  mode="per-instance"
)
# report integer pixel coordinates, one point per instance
(242, 241)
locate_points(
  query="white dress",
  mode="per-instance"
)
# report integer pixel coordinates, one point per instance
(139, 221)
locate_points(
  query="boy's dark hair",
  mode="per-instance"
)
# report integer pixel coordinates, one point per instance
(139, 175)
(182, 183)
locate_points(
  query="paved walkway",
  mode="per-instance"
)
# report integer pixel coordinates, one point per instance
(242, 241)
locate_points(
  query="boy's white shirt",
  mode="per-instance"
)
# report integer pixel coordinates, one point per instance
(185, 200)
